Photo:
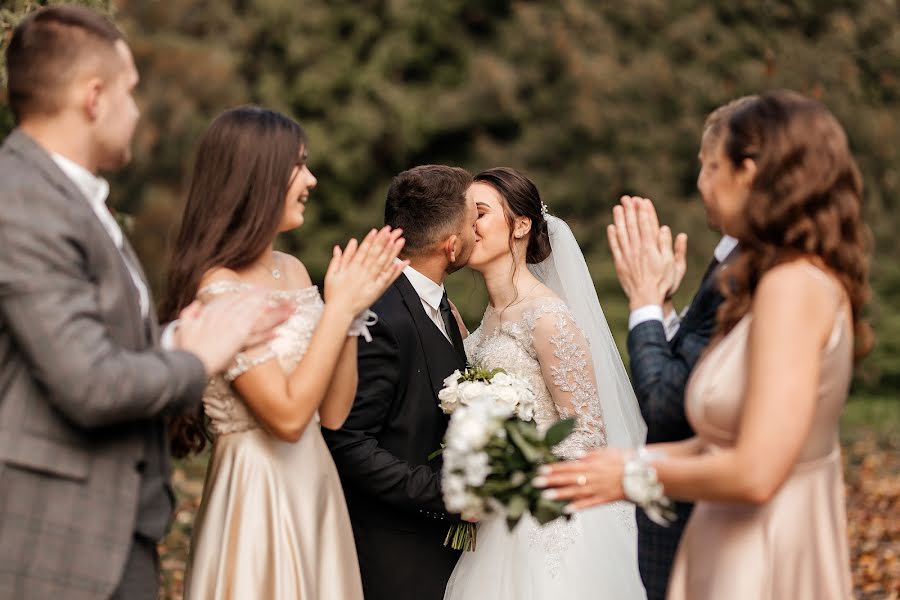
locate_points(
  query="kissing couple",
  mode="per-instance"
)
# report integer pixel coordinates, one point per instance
(543, 323)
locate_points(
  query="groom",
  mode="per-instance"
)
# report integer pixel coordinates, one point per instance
(393, 491)
(664, 346)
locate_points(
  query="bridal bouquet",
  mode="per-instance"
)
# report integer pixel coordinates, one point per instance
(477, 385)
(492, 451)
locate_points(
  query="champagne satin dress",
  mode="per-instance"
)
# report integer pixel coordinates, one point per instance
(795, 546)
(273, 522)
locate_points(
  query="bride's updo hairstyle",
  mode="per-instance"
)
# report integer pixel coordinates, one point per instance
(520, 199)
(805, 200)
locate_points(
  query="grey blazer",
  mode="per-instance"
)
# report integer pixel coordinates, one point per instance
(81, 380)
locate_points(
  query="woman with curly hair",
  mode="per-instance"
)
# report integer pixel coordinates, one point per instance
(765, 400)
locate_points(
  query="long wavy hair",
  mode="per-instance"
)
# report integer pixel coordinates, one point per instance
(805, 200)
(234, 206)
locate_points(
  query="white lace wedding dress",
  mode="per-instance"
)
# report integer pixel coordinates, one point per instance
(593, 556)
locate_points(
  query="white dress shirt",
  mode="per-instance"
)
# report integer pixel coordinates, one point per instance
(672, 321)
(431, 294)
(96, 191)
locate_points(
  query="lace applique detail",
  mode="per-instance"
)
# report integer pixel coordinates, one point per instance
(243, 363)
(573, 375)
(227, 412)
(518, 348)
(554, 539)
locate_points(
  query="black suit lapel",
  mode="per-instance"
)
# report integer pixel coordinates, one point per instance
(708, 297)
(441, 358)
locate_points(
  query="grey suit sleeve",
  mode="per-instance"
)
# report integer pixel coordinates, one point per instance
(51, 307)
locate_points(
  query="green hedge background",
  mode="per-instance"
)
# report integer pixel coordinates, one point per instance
(593, 100)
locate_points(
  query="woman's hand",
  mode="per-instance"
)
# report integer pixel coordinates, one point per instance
(594, 479)
(359, 275)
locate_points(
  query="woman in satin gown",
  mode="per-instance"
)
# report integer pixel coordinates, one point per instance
(765, 400)
(272, 522)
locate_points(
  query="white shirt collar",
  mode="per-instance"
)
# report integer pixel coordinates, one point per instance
(430, 292)
(726, 245)
(95, 189)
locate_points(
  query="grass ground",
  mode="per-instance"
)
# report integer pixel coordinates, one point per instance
(870, 436)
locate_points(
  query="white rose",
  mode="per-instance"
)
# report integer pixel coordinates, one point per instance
(452, 459)
(471, 391)
(506, 396)
(502, 379)
(477, 468)
(526, 392)
(525, 411)
(475, 506)
(455, 495)
(449, 401)
(468, 429)
(452, 380)
(449, 396)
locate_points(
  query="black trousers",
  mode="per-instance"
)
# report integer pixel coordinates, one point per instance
(140, 581)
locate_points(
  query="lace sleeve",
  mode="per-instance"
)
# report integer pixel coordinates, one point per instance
(565, 360)
(250, 357)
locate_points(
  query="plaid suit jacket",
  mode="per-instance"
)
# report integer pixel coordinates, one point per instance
(659, 372)
(80, 380)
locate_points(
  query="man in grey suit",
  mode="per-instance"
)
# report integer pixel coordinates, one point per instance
(84, 383)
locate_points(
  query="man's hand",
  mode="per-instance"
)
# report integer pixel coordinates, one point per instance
(649, 266)
(265, 325)
(219, 330)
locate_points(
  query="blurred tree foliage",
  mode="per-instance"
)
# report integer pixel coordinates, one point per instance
(593, 100)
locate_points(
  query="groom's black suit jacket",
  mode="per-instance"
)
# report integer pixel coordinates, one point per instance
(659, 372)
(393, 491)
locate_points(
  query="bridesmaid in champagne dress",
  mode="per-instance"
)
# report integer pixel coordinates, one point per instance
(795, 545)
(765, 401)
(273, 522)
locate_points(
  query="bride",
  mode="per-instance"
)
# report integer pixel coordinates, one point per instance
(544, 323)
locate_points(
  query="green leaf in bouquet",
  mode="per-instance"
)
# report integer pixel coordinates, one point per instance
(518, 478)
(530, 432)
(559, 431)
(493, 487)
(547, 510)
(532, 453)
(515, 508)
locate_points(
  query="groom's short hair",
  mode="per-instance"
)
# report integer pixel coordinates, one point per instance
(429, 203)
(44, 53)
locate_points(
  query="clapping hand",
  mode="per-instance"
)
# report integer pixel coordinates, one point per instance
(219, 330)
(649, 265)
(360, 273)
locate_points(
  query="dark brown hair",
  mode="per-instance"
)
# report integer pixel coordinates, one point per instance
(429, 203)
(805, 200)
(520, 199)
(717, 121)
(234, 206)
(45, 50)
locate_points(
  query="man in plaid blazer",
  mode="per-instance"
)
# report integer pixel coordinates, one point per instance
(84, 385)
(664, 347)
